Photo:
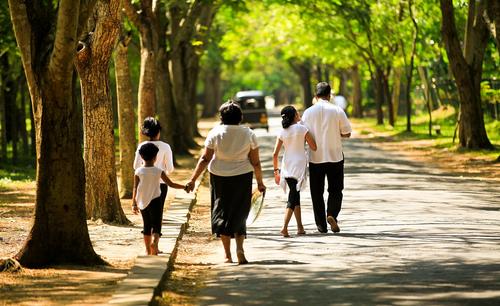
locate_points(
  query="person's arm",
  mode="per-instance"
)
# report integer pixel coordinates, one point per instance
(345, 126)
(202, 165)
(169, 182)
(311, 142)
(255, 161)
(276, 153)
(135, 208)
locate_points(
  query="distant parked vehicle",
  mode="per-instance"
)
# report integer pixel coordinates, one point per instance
(253, 107)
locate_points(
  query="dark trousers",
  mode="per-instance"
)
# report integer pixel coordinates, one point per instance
(334, 172)
(293, 194)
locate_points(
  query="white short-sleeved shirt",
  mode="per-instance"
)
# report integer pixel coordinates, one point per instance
(164, 158)
(326, 122)
(231, 145)
(148, 188)
(294, 161)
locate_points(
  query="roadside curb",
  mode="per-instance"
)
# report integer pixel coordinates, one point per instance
(140, 285)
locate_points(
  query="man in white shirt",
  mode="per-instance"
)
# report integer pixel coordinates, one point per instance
(327, 123)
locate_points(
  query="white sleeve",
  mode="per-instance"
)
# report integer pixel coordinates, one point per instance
(253, 140)
(345, 125)
(210, 140)
(168, 162)
(137, 159)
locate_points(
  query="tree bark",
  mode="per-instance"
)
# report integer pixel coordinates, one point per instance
(3, 121)
(467, 70)
(93, 57)
(303, 71)
(396, 91)
(126, 118)
(379, 94)
(427, 96)
(59, 233)
(409, 68)
(145, 21)
(22, 115)
(357, 107)
(212, 91)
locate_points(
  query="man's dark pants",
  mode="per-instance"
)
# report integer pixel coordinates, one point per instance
(334, 172)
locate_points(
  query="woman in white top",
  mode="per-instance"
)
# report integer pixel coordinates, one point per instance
(164, 159)
(293, 165)
(232, 155)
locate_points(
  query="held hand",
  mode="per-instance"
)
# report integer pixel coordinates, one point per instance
(190, 186)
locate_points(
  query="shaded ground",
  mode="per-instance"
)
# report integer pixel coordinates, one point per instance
(412, 233)
(72, 285)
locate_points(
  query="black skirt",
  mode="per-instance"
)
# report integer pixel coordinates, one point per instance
(230, 203)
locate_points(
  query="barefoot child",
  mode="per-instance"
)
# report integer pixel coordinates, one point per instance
(293, 165)
(146, 196)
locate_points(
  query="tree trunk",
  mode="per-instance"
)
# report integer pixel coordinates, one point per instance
(93, 57)
(126, 118)
(165, 99)
(409, 68)
(467, 70)
(357, 107)
(3, 122)
(12, 119)
(303, 71)
(427, 96)
(387, 98)
(379, 94)
(343, 83)
(59, 233)
(396, 91)
(212, 91)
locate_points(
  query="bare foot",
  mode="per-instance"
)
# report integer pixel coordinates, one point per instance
(284, 233)
(301, 231)
(154, 249)
(241, 257)
(228, 259)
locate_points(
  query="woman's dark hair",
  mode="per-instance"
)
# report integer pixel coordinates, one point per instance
(148, 151)
(230, 113)
(323, 89)
(288, 114)
(150, 127)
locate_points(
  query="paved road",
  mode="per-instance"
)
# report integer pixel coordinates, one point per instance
(410, 235)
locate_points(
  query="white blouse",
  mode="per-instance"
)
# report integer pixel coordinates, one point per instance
(231, 145)
(148, 188)
(294, 161)
(164, 158)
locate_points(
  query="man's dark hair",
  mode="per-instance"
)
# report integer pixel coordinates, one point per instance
(323, 90)
(230, 113)
(150, 127)
(148, 151)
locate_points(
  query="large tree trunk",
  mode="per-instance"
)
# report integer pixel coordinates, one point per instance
(59, 233)
(467, 70)
(357, 107)
(101, 188)
(165, 100)
(126, 118)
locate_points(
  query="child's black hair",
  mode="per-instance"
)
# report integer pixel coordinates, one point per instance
(288, 114)
(150, 127)
(148, 151)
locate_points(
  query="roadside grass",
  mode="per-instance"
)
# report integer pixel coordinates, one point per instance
(444, 118)
(15, 177)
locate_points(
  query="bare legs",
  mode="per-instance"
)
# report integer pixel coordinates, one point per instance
(288, 215)
(240, 252)
(147, 244)
(226, 243)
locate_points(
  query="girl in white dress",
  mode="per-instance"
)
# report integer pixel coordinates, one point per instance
(293, 165)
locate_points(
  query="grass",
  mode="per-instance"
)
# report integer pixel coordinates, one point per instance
(15, 177)
(445, 118)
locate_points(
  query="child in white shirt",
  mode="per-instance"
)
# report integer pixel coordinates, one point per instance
(293, 165)
(146, 196)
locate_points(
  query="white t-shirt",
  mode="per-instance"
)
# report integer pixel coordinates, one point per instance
(294, 161)
(148, 188)
(231, 145)
(326, 122)
(164, 158)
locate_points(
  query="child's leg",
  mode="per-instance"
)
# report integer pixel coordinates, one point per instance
(157, 218)
(288, 216)
(298, 218)
(146, 229)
